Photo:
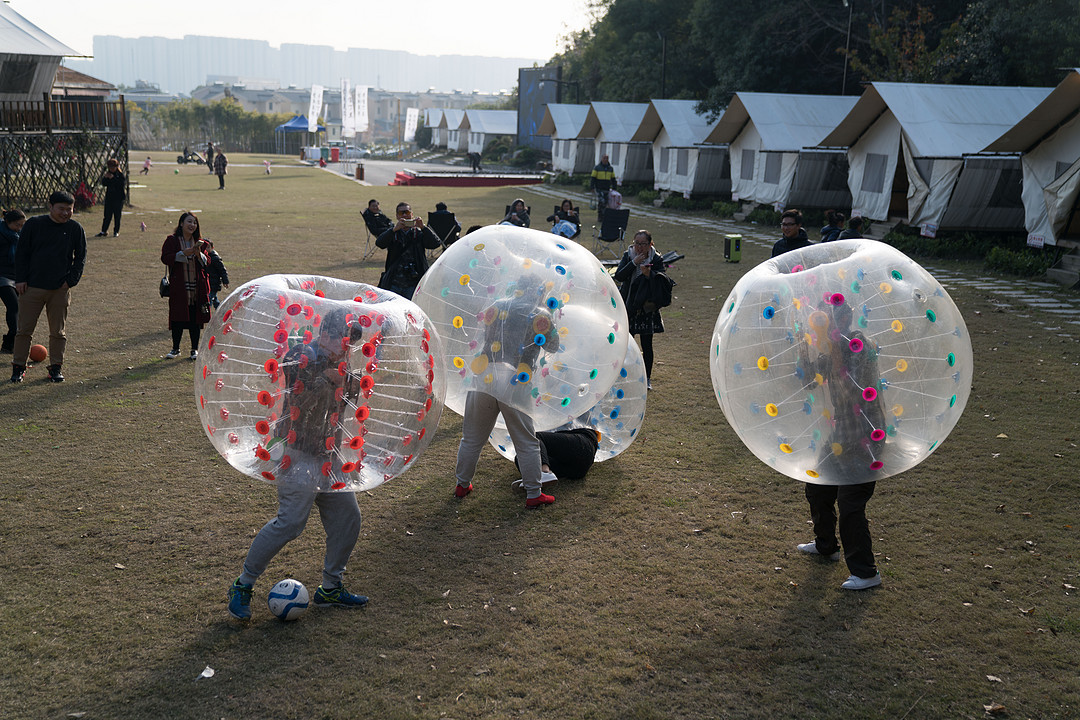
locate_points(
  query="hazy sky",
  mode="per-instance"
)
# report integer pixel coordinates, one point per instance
(428, 27)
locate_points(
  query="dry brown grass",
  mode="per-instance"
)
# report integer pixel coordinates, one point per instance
(665, 585)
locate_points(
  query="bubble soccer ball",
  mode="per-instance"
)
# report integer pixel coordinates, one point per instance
(288, 599)
(317, 381)
(841, 363)
(617, 417)
(527, 317)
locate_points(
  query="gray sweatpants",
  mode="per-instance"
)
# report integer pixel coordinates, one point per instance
(481, 412)
(340, 518)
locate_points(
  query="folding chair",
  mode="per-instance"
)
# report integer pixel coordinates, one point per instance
(446, 226)
(528, 211)
(369, 244)
(612, 230)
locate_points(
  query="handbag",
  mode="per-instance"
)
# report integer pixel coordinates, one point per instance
(163, 286)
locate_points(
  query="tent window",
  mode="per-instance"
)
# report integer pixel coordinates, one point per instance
(746, 172)
(682, 162)
(615, 153)
(1007, 190)
(665, 154)
(873, 179)
(17, 76)
(772, 168)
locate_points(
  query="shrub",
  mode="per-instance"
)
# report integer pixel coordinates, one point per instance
(524, 156)
(764, 216)
(646, 197)
(1025, 263)
(725, 209)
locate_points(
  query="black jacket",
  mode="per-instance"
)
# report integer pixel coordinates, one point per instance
(784, 245)
(50, 254)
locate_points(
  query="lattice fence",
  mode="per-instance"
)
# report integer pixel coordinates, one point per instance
(57, 146)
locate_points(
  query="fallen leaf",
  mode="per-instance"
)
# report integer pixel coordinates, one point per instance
(1067, 586)
(1028, 611)
(207, 672)
(994, 708)
(445, 594)
(409, 533)
(993, 678)
(118, 566)
(1003, 436)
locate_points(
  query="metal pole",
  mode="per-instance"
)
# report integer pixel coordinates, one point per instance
(847, 47)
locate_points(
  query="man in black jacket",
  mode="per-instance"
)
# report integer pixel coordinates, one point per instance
(405, 244)
(48, 263)
(795, 237)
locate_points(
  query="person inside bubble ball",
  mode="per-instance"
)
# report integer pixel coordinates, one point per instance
(405, 244)
(317, 394)
(645, 289)
(518, 330)
(846, 363)
(794, 236)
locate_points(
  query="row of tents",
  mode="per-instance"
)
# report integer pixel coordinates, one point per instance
(469, 130)
(934, 156)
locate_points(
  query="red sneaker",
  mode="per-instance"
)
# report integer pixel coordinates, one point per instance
(538, 501)
(462, 490)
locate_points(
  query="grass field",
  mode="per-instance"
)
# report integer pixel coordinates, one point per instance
(665, 585)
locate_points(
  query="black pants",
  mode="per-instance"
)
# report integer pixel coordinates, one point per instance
(11, 302)
(645, 342)
(193, 326)
(112, 212)
(854, 530)
(221, 181)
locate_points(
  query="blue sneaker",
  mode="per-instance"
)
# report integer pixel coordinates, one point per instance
(339, 597)
(240, 600)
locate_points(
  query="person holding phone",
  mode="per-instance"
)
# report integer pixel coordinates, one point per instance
(187, 255)
(405, 244)
(518, 215)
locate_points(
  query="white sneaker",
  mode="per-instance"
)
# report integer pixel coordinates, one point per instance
(194, 355)
(172, 354)
(857, 583)
(810, 548)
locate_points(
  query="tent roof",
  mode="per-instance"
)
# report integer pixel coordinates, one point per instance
(939, 120)
(680, 118)
(492, 122)
(784, 121)
(298, 123)
(619, 121)
(452, 119)
(1062, 102)
(433, 117)
(563, 120)
(19, 36)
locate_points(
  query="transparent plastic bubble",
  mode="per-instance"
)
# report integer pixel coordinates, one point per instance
(527, 317)
(617, 416)
(841, 363)
(318, 381)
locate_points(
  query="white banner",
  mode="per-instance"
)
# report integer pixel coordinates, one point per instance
(412, 118)
(361, 116)
(348, 117)
(314, 107)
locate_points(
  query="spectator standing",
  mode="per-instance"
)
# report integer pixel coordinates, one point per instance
(115, 190)
(405, 244)
(602, 181)
(641, 277)
(10, 228)
(187, 256)
(794, 236)
(49, 261)
(834, 225)
(221, 164)
(209, 158)
(854, 229)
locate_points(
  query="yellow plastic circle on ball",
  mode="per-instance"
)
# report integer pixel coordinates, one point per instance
(772, 410)
(763, 363)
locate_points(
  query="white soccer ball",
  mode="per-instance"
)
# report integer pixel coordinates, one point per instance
(288, 600)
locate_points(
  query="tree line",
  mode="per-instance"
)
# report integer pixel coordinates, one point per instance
(706, 50)
(223, 121)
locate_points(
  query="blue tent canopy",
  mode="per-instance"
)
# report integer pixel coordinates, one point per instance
(297, 124)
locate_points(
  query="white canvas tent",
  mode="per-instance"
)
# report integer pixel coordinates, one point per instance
(29, 57)
(569, 153)
(612, 127)
(906, 141)
(486, 125)
(766, 132)
(451, 123)
(680, 162)
(1048, 140)
(432, 120)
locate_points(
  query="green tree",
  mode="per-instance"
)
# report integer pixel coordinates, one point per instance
(900, 51)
